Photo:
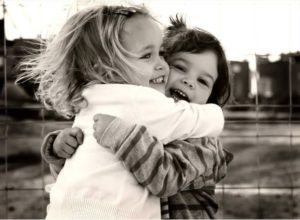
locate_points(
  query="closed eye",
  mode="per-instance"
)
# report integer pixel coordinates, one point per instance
(179, 67)
(202, 81)
(146, 56)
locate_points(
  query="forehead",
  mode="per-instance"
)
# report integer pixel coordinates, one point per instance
(139, 32)
(204, 63)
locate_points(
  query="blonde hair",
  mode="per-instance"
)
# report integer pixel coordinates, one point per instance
(87, 50)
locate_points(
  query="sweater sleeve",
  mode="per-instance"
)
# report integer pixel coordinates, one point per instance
(182, 119)
(217, 159)
(163, 170)
(225, 158)
(55, 163)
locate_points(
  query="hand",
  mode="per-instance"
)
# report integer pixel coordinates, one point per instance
(67, 142)
(101, 122)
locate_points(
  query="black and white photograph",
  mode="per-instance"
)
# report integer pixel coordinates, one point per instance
(149, 109)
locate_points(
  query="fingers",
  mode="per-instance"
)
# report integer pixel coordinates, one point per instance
(66, 150)
(72, 142)
(95, 126)
(95, 136)
(80, 137)
(66, 142)
(69, 147)
(96, 133)
(78, 134)
(69, 150)
(98, 117)
(64, 154)
(99, 129)
(101, 122)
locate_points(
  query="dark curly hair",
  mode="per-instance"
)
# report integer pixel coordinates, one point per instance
(179, 38)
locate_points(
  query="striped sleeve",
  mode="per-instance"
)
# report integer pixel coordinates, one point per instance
(164, 170)
(225, 158)
(218, 160)
(165, 212)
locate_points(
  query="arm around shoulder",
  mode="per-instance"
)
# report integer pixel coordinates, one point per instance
(163, 170)
(169, 120)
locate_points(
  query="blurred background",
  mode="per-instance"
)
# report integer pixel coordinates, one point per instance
(262, 43)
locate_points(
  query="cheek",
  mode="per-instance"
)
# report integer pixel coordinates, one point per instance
(173, 77)
(203, 95)
(147, 69)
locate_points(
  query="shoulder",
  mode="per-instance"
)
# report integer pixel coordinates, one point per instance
(149, 95)
(148, 91)
(124, 88)
(103, 93)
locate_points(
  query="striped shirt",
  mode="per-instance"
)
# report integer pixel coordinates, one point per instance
(182, 173)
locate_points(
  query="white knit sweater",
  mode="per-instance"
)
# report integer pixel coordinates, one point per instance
(94, 183)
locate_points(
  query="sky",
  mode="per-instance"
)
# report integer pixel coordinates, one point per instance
(245, 27)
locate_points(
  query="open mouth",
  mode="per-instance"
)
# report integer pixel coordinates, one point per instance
(177, 95)
(158, 80)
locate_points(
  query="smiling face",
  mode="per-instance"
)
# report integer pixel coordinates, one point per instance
(142, 37)
(192, 76)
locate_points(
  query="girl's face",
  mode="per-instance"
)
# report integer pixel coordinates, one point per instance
(192, 76)
(142, 36)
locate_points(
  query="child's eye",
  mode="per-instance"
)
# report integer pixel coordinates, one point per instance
(146, 56)
(179, 67)
(202, 81)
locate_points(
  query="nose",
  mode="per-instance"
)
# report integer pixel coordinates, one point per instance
(188, 83)
(162, 66)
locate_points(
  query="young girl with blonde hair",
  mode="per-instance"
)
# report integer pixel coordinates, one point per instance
(102, 62)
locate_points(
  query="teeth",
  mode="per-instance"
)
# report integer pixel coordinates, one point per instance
(158, 80)
(180, 92)
(177, 95)
(175, 98)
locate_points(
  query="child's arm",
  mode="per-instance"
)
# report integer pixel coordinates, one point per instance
(59, 145)
(164, 170)
(55, 163)
(183, 120)
(225, 158)
(178, 166)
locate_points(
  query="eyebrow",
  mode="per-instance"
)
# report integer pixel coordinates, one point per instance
(204, 72)
(145, 48)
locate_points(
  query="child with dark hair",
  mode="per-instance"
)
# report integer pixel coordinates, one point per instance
(184, 172)
(180, 39)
